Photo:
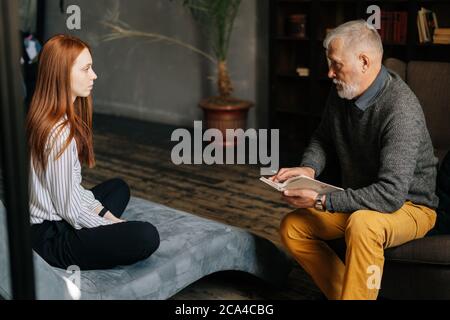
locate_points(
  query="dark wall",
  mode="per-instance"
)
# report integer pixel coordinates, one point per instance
(161, 82)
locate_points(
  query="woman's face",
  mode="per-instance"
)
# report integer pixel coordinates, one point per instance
(82, 75)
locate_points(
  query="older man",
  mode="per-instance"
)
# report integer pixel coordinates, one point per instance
(375, 124)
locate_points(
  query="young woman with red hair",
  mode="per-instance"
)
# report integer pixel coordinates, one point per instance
(70, 224)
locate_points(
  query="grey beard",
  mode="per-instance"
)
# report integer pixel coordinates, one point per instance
(348, 91)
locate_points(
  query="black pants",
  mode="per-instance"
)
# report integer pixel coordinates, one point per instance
(104, 247)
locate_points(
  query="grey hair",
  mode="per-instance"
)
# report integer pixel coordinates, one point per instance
(357, 34)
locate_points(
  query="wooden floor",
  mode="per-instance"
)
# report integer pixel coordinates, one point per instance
(139, 152)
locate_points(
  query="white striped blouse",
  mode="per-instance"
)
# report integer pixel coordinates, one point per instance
(57, 193)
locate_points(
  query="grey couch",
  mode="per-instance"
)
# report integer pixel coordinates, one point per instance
(191, 248)
(420, 269)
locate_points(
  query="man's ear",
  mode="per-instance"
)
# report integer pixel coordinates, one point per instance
(364, 61)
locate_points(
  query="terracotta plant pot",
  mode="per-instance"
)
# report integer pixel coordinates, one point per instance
(222, 114)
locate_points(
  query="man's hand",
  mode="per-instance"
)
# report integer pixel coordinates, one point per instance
(300, 198)
(286, 173)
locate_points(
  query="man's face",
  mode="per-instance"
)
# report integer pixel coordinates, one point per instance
(342, 69)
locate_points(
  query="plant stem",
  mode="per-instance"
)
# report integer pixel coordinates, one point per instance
(223, 80)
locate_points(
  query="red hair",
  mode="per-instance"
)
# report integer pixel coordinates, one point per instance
(52, 99)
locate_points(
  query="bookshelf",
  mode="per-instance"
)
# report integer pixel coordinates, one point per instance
(297, 29)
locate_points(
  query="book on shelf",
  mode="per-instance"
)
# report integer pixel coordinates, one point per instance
(296, 25)
(427, 23)
(394, 26)
(441, 36)
(441, 40)
(419, 29)
(442, 31)
(302, 72)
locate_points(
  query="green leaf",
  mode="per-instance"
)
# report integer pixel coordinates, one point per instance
(216, 19)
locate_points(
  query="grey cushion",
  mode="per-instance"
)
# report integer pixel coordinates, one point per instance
(191, 247)
(49, 285)
(397, 66)
(434, 97)
(430, 81)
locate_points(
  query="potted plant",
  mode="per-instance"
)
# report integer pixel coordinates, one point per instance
(216, 19)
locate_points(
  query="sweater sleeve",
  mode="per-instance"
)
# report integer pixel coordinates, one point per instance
(400, 140)
(315, 155)
(65, 190)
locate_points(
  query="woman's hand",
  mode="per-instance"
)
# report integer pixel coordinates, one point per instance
(108, 215)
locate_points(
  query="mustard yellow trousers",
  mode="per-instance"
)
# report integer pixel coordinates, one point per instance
(367, 233)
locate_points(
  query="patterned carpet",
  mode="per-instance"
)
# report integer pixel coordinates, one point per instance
(139, 152)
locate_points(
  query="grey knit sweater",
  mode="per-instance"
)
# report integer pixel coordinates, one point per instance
(385, 152)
